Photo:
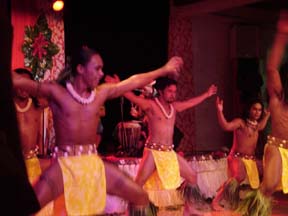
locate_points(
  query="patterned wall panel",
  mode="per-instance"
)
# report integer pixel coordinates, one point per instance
(56, 23)
(180, 43)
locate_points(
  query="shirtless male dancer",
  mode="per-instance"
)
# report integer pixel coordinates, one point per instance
(241, 159)
(159, 158)
(29, 118)
(275, 161)
(75, 101)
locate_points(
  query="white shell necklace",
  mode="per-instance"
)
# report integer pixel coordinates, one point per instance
(252, 124)
(77, 97)
(164, 111)
(24, 109)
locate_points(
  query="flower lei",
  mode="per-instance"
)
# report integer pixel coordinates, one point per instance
(24, 109)
(252, 124)
(38, 49)
(163, 110)
(77, 97)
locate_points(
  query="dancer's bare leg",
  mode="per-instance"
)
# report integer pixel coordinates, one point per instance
(272, 170)
(186, 171)
(190, 177)
(215, 202)
(146, 168)
(50, 185)
(237, 171)
(45, 163)
(120, 184)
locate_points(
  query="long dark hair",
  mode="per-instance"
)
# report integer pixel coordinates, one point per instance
(163, 82)
(249, 104)
(24, 71)
(81, 56)
(29, 73)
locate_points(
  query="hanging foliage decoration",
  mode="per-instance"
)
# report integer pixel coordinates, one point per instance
(38, 49)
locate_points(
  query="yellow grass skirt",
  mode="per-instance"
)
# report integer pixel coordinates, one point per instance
(162, 184)
(34, 171)
(84, 184)
(283, 184)
(252, 172)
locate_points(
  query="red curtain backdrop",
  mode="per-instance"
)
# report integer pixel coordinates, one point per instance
(23, 13)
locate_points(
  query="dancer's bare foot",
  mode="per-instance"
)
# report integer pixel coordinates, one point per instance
(190, 210)
(216, 206)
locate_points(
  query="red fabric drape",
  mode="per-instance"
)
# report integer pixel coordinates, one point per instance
(24, 12)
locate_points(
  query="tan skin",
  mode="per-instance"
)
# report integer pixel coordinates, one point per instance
(279, 108)
(71, 118)
(244, 141)
(29, 124)
(161, 129)
(102, 113)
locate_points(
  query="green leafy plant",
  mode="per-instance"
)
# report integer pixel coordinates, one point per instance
(38, 49)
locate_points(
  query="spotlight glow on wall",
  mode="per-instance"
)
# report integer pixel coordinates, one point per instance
(58, 5)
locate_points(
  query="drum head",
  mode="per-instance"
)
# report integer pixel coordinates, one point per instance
(128, 134)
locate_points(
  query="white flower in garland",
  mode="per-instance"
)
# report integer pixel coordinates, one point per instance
(168, 116)
(77, 97)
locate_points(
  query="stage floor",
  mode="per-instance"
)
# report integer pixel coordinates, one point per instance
(280, 208)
